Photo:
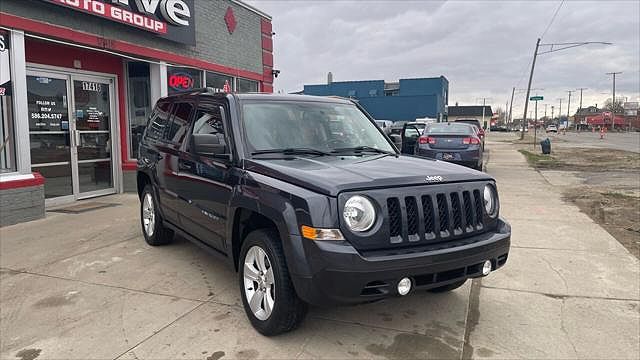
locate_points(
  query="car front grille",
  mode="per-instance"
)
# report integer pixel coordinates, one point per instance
(439, 216)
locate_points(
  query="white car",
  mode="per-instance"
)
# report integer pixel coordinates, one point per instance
(552, 128)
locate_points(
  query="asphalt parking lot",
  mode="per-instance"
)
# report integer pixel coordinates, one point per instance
(86, 286)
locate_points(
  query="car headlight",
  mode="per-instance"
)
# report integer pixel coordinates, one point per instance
(490, 200)
(359, 213)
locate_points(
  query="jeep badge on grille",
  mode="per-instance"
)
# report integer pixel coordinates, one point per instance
(432, 179)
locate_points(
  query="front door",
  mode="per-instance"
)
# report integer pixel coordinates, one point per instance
(71, 131)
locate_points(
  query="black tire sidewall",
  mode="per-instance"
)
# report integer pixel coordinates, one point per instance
(264, 239)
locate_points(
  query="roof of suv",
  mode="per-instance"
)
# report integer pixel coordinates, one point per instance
(266, 96)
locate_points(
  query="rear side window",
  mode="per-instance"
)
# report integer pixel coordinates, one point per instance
(159, 121)
(179, 122)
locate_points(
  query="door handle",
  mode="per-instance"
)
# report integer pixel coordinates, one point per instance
(76, 138)
(184, 166)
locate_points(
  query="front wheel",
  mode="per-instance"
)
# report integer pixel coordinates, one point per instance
(268, 296)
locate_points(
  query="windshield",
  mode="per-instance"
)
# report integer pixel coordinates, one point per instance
(319, 126)
(450, 128)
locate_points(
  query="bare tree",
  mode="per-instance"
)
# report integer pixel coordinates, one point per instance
(616, 107)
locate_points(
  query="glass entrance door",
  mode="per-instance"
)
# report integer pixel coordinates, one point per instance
(92, 134)
(71, 132)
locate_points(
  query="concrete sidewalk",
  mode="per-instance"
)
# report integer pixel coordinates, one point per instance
(86, 286)
(570, 290)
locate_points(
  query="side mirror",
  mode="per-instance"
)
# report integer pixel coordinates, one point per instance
(208, 144)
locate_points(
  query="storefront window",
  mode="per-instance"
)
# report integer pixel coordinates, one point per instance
(183, 79)
(218, 82)
(139, 102)
(245, 86)
(7, 137)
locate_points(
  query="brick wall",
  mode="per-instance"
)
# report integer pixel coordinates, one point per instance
(21, 200)
(242, 49)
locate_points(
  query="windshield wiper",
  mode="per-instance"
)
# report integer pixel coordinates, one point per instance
(360, 149)
(293, 151)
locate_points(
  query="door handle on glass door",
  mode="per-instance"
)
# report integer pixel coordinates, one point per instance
(76, 137)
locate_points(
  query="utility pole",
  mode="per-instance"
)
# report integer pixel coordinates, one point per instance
(526, 100)
(581, 96)
(613, 100)
(552, 107)
(560, 108)
(513, 91)
(545, 112)
(569, 110)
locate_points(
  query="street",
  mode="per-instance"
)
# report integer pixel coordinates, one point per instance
(612, 140)
(568, 290)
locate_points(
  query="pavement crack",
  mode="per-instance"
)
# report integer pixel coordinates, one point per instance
(158, 331)
(560, 296)
(472, 318)
(564, 329)
(564, 281)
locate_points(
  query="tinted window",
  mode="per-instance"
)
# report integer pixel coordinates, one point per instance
(411, 131)
(159, 121)
(316, 125)
(450, 128)
(208, 120)
(180, 122)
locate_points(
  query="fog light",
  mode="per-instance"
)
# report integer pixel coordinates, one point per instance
(404, 286)
(486, 268)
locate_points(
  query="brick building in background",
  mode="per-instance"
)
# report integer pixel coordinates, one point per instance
(79, 80)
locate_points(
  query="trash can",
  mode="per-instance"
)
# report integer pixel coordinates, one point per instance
(546, 146)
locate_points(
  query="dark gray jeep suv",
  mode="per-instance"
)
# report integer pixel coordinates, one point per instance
(311, 203)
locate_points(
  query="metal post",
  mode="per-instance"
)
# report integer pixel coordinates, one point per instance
(535, 126)
(552, 107)
(526, 101)
(569, 109)
(545, 112)
(613, 100)
(513, 91)
(483, 102)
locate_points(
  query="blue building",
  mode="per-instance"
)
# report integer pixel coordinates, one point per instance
(405, 100)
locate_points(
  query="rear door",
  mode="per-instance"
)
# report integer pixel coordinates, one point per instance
(154, 153)
(410, 135)
(206, 182)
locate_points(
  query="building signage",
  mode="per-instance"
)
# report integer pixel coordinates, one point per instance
(170, 19)
(5, 71)
(181, 81)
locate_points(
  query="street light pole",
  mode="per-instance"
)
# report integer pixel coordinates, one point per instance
(569, 110)
(513, 91)
(551, 48)
(526, 100)
(613, 100)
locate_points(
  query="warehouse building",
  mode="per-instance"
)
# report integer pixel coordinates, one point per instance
(78, 80)
(405, 100)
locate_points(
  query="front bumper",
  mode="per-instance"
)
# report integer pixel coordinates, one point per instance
(339, 274)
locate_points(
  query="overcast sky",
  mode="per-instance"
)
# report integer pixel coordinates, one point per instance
(483, 48)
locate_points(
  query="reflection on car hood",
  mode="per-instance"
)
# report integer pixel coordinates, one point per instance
(331, 175)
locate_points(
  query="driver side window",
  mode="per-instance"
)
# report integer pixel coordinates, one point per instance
(209, 120)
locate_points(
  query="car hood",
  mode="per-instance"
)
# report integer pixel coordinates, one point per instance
(331, 175)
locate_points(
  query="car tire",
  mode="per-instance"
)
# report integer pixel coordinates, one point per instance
(448, 287)
(155, 234)
(262, 266)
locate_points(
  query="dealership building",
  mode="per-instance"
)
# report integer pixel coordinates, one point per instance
(78, 80)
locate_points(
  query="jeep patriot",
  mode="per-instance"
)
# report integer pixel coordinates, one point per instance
(311, 203)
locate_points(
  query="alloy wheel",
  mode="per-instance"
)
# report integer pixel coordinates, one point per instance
(259, 283)
(148, 214)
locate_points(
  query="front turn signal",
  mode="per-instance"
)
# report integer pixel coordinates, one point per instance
(312, 233)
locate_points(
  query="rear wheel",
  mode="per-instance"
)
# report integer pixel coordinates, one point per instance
(448, 287)
(268, 296)
(154, 231)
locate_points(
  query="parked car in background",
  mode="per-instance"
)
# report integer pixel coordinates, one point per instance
(409, 137)
(477, 124)
(552, 128)
(385, 125)
(499, 128)
(453, 142)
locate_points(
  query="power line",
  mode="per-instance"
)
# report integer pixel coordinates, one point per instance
(552, 20)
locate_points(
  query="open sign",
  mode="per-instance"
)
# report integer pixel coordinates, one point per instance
(181, 81)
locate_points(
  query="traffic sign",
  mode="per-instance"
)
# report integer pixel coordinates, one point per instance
(536, 98)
